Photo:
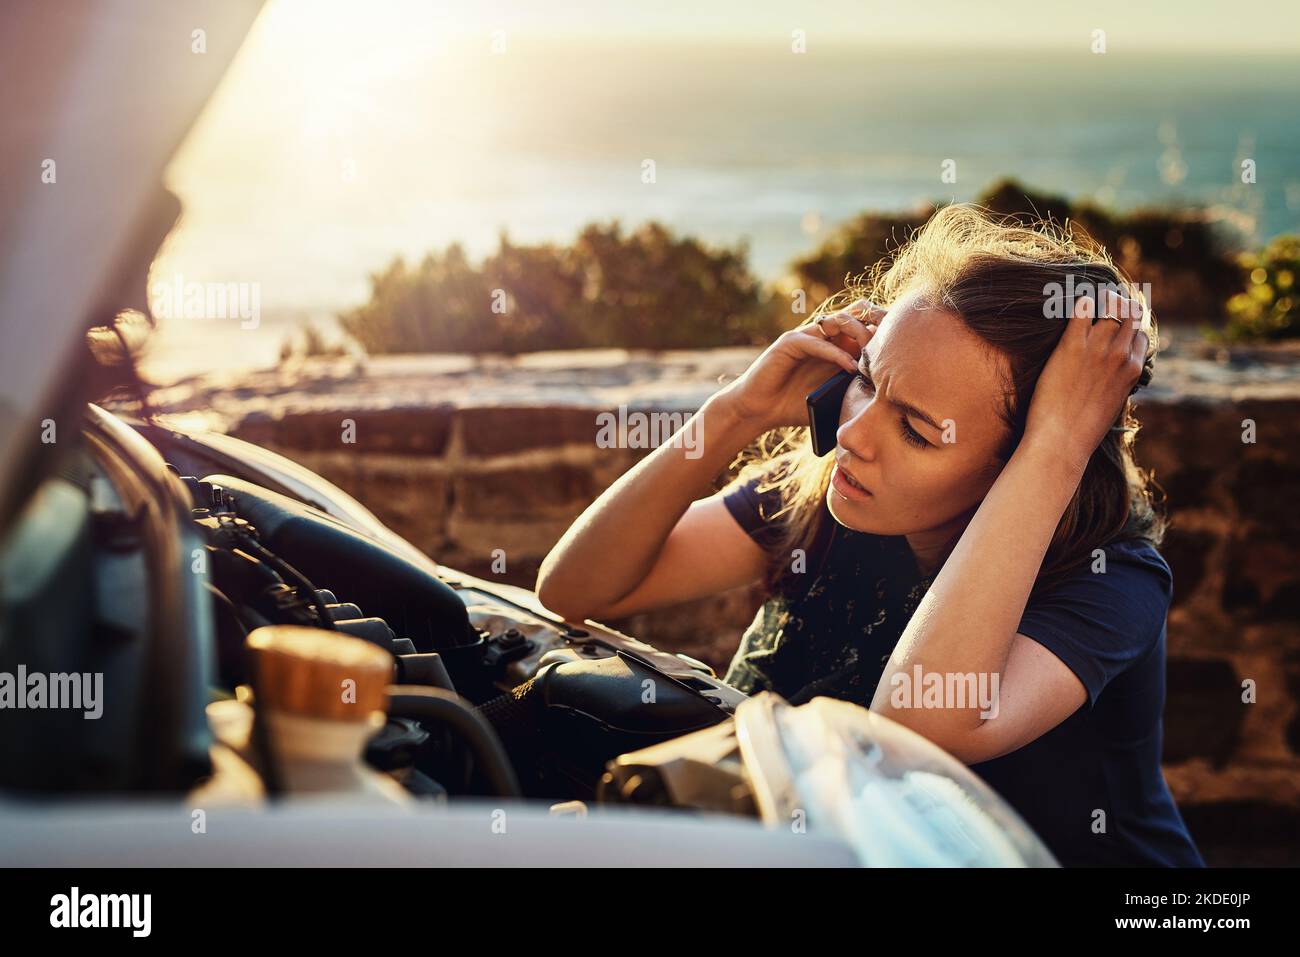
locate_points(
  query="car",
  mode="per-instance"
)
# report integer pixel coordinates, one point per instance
(200, 637)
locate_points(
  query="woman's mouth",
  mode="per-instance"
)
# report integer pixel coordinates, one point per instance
(847, 487)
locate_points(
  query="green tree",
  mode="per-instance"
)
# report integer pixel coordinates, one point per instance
(1270, 306)
(648, 290)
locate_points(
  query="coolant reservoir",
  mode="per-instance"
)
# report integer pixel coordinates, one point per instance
(322, 695)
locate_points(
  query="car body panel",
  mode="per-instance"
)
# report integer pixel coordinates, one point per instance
(80, 86)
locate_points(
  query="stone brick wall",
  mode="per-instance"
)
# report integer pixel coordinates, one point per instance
(1234, 547)
(465, 456)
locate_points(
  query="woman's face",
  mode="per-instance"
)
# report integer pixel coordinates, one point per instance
(919, 428)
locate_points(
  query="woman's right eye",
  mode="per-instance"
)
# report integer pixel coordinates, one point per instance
(866, 384)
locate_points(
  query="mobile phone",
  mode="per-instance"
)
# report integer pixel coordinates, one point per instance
(824, 410)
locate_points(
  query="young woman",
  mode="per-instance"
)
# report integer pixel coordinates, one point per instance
(981, 518)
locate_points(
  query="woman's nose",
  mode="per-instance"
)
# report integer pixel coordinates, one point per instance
(858, 432)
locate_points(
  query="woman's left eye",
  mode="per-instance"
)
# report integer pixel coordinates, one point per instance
(910, 434)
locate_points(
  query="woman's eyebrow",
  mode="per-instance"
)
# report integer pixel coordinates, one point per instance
(864, 366)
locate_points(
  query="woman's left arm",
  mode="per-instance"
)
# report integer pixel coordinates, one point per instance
(966, 624)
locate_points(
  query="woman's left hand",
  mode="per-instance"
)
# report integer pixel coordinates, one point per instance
(1089, 375)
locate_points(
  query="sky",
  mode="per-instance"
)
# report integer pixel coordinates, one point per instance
(1209, 25)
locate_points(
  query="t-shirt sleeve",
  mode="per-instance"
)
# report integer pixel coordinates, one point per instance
(754, 510)
(1099, 623)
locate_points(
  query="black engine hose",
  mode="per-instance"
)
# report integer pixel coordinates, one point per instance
(310, 594)
(435, 704)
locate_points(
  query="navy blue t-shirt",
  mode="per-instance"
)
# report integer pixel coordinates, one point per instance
(1091, 787)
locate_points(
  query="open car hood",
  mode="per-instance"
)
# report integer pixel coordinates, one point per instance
(105, 90)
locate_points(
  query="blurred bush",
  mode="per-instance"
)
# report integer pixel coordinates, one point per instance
(653, 290)
(1270, 306)
(308, 341)
(645, 290)
(1189, 261)
(851, 250)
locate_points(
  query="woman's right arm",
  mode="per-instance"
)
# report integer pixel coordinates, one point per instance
(637, 546)
(650, 540)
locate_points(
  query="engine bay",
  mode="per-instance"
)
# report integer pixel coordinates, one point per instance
(257, 638)
(563, 701)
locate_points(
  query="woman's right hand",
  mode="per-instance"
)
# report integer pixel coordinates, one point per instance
(772, 392)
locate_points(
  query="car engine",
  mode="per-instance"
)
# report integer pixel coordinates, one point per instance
(559, 702)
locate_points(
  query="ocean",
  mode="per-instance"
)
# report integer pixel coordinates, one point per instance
(303, 178)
